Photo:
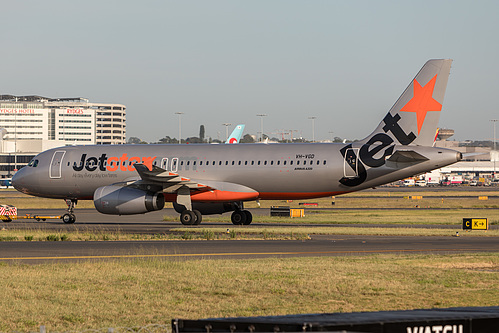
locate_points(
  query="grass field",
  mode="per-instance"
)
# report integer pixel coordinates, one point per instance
(125, 293)
(137, 292)
(235, 233)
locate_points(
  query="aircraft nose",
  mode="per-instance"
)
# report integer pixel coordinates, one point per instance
(23, 179)
(18, 179)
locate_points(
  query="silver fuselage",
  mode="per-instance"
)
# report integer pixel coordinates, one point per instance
(275, 171)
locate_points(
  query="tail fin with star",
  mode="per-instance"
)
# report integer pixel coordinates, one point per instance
(413, 119)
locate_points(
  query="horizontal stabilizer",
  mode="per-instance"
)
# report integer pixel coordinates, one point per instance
(404, 158)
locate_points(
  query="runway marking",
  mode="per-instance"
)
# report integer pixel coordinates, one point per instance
(231, 254)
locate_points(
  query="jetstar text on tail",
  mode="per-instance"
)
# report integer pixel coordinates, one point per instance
(113, 163)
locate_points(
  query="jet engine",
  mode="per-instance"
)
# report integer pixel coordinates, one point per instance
(119, 200)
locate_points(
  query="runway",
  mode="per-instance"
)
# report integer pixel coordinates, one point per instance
(153, 223)
(38, 252)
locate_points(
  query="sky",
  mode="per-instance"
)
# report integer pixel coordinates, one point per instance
(343, 62)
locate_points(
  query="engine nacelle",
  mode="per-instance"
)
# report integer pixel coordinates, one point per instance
(119, 200)
(208, 208)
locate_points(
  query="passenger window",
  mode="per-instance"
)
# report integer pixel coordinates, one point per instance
(278, 162)
(284, 162)
(290, 162)
(252, 162)
(258, 162)
(188, 162)
(245, 162)
(200, 163)
(265, 163)
(297, 162)
(239, 163)
(271, 162)
(226, 162)
(324, 162)
(220, 163)
(233, 162)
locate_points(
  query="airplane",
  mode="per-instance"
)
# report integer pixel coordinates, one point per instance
(213, 179)
(235, 136)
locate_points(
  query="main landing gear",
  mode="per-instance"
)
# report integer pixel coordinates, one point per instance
(191, 217)
(194, 217)
(70, 218)
(241, 217)
(193, 214)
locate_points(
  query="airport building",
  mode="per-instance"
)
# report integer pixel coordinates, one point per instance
(32, 124)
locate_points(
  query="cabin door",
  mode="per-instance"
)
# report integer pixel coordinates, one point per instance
(56, 164)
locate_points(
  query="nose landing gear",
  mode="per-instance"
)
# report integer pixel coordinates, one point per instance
(69, 217)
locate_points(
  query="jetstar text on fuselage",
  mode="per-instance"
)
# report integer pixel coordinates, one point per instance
(113, 163)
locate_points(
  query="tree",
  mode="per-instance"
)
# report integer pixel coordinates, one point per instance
(193, 139)
(167, 139)
(135, 141)
(247, 139)
(201, 133)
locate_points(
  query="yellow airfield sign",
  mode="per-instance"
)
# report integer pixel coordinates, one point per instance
(475, 224)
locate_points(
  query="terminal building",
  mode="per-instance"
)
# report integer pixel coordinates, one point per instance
(479, 165)
(32, 124)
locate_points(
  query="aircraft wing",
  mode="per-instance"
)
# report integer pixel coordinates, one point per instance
(169, 181)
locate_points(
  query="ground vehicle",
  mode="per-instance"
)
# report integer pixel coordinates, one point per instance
(409, 182)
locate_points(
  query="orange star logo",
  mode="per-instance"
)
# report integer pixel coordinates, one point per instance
(422, 102)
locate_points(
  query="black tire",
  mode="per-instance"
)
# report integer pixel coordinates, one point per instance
(249, 217)
(199, 217)
(188, 217)
(238, 217)
(68, 218)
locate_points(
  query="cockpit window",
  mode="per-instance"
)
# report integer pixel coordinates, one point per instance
(33, 163)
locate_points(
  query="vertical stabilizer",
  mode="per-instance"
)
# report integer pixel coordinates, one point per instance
(413, 119)
(236, 134)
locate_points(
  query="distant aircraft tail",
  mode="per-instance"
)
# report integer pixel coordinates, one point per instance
(413, 119)
(236, 134)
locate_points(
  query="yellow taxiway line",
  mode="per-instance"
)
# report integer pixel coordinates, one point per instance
(187, 255)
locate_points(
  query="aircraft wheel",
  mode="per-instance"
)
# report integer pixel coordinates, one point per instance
(188, 217)
(68, 218)
(199, 217)
(249, 217)
(238, 217)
